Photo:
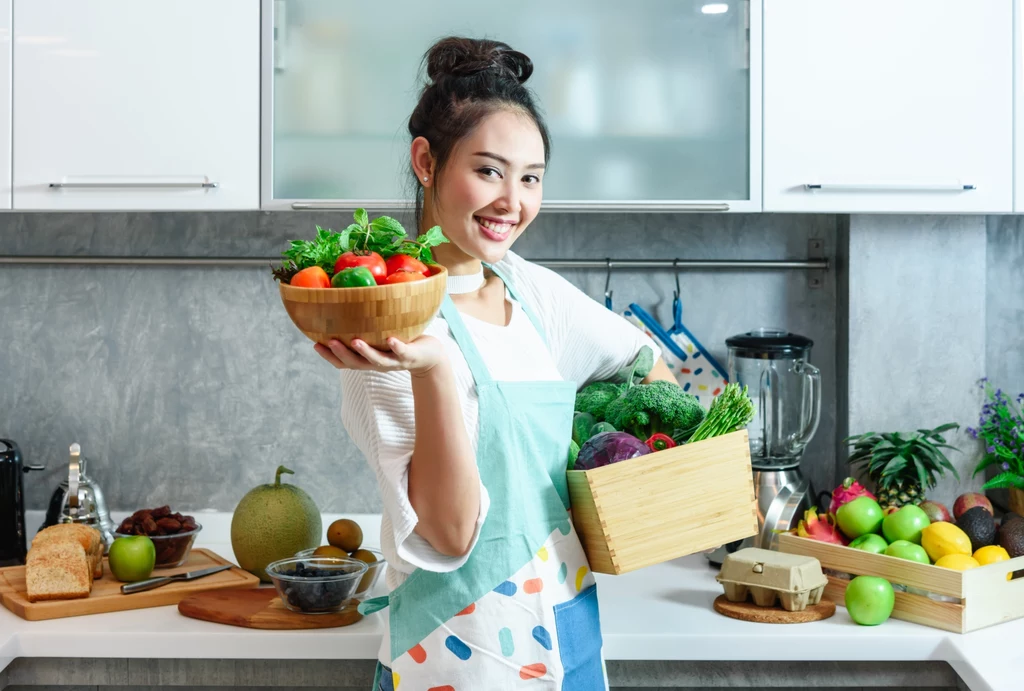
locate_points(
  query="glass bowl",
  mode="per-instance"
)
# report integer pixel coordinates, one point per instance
(171, 550)
(316, 585)
(373, 570)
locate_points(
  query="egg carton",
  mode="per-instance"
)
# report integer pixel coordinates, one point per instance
(767, 576)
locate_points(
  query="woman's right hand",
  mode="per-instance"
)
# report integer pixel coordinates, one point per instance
(418, 357)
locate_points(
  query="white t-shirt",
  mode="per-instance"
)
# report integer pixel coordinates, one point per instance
(585, 342)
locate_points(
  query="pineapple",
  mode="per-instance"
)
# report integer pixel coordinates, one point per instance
(903, 465)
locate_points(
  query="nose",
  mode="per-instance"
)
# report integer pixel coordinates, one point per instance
(510, 200)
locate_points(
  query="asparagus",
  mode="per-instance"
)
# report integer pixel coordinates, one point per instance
(730, 411)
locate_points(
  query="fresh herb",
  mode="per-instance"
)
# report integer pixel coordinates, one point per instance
(730, 411)
(1001, 428)
(383, 235)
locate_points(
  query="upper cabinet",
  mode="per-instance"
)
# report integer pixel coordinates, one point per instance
(136, 104)
(652, 105)
(882, 106)
(5, 104)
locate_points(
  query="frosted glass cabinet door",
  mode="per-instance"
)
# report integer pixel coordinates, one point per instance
(649, 104)
(136, 104)
(883, 106)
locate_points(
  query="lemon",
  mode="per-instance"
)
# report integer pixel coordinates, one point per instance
(940, 539)
(957, 562)
(991, 554)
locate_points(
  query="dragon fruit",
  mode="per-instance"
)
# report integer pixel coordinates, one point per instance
(820, 528)
(847, 492)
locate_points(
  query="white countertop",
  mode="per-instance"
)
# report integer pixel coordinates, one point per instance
(659, 613)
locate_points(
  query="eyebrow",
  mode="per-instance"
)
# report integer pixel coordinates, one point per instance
(504, 161)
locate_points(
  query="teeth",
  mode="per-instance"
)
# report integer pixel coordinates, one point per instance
(500, 228)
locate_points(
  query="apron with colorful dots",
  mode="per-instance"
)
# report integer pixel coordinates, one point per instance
(522, 612)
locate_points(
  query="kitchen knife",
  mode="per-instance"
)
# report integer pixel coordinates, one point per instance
(149, 584)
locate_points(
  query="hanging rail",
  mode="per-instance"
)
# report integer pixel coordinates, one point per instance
(819, 264)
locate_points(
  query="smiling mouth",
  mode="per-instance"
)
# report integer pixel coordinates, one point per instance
(493, 229)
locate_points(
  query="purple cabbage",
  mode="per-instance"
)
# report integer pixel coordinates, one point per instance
(607, 448)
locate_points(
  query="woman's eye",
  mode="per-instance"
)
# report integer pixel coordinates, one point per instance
(490, 172)
(531, 179)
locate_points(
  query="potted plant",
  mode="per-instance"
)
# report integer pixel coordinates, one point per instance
(1001, 429)
(903, 465)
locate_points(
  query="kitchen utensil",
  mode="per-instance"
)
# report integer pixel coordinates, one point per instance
(150, 583)
(786, 391)
(372, 313)
(106, 593)
(12, 503)
(748, 611)
(79, 499)
(261, 608)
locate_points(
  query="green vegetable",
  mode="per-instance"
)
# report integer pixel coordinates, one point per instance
(601, 427)
(581, 424)
(574, 451)
(594, 398)
(353, 277)
(730, 411)
(661, 406)
(383, 235)
(640, 368)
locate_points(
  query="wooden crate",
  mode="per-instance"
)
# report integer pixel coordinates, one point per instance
(665, 505)
(959, 601)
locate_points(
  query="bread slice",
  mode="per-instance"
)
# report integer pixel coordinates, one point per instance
(87, 536)
(57, 570)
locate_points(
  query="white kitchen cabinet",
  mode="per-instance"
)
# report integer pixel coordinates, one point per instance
(136, 104)
(5, 104)
(882, 106)
(1018, 105)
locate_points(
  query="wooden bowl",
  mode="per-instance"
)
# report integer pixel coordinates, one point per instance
(373, 314)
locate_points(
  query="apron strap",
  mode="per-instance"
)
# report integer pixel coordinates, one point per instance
(374, 604)
(461, 335)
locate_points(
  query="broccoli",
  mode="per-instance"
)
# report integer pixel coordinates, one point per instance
(594, 398)
(661, 406)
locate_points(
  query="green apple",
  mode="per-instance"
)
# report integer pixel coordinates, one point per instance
(132, 558)
(905, 524)
(870, 542)
(904, 549)
(858, 517)
(869, 600)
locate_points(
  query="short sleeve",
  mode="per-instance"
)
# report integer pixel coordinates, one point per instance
(588, 341)
(377, 412)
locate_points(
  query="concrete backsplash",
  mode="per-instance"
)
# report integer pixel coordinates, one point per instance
(188, 386)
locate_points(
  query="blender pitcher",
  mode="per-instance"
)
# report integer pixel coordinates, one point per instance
(786, 391)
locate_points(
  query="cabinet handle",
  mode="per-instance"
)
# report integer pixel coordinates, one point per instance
(888, 187)
(696, 207)
(136, 185)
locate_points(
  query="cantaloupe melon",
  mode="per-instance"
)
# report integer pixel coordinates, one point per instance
(273, 522)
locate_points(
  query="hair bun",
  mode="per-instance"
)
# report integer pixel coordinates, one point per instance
(463, 57)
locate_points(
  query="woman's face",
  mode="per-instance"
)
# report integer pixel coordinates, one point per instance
(490, 189)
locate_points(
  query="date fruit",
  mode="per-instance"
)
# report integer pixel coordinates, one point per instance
(171, 532)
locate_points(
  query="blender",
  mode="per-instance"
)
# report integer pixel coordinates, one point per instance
(786, 391)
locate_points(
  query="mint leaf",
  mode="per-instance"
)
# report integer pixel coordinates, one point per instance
(362, 218)
(432, 237)
(386, 223)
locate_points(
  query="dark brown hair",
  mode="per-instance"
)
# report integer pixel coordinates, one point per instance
(468, 79)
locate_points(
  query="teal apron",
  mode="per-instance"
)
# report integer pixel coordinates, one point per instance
(524, 605)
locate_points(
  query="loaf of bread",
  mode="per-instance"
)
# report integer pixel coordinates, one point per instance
(57, 570)
(87, 536)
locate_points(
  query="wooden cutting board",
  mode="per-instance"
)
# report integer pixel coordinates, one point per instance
(106, 592)
(748, 611)
(260, 608)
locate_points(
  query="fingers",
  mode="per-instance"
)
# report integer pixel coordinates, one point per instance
(374, 357)
(325, 352)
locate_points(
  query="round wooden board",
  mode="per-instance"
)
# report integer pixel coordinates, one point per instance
(260, 608)
(748, 611)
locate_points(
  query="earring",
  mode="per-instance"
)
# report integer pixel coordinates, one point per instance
(425, 179)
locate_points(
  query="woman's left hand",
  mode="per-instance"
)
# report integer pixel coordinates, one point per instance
(418, 356)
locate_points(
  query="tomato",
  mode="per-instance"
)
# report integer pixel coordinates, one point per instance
(311, 277)
(404, 277)
(353, 277)
(371, 260)
(403, 262)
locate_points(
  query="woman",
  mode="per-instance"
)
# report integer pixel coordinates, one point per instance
(467, 427)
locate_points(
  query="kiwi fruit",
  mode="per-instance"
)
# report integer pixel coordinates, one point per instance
(330, 551)
(345, 534)
(365, 555)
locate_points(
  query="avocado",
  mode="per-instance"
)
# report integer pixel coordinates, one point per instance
(1009, 516)
(1011, 538)
(979, 525)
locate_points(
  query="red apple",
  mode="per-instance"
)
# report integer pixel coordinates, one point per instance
(969, 501)
(936, 512)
